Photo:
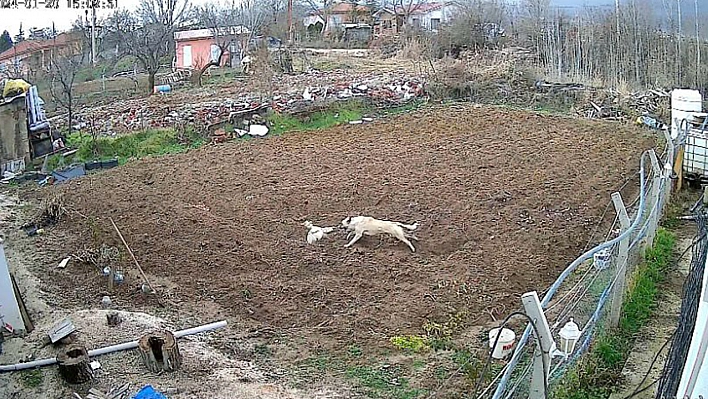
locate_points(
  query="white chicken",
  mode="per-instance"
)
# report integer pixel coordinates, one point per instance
(316, 233)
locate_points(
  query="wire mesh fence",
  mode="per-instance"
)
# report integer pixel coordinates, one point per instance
(591, 288)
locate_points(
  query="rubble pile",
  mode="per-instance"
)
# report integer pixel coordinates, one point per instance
(611, 104)
(291, 94)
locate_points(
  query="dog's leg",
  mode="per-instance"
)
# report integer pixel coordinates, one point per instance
(401, 236)
(350, 234)
(412, 237)
(356, 238)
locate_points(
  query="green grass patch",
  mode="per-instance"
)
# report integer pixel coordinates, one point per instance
(345, 113)
(598, 373)
(32, 378)
(130, 146)
(384, 381)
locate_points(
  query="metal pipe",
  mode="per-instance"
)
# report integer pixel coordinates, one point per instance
(112, 348)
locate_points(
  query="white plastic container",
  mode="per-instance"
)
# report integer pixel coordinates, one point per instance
(684, 103)
(505, 345)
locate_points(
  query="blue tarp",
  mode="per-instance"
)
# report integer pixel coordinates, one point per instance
(148, 392)
(66, 174)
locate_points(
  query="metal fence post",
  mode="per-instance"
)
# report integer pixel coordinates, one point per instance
(622, 258)
(539, 376)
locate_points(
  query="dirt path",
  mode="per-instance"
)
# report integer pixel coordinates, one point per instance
(652, 337)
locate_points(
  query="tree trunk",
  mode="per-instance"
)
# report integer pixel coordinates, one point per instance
(151, 80)
(207, 66)
(159, 351)
(71, 112)
(74, 365)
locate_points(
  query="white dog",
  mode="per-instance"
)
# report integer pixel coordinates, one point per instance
(316, 233)
(366, 225)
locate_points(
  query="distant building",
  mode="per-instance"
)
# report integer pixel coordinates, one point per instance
(196, 48)
(28, 57)
(339, 16)
(426, 16)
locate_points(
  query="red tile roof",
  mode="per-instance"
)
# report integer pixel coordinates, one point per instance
(31, 46)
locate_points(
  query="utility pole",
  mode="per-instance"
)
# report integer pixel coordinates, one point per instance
(93, 33)
(698, 48)
(290, 21)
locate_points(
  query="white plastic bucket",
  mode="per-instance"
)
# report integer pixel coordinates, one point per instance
(684, 103)
(505, 345)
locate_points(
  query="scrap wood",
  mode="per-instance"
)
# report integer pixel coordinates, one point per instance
(142, 273)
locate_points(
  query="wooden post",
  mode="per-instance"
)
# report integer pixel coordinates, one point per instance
(678, 169)
(74, 365)
(159, 351)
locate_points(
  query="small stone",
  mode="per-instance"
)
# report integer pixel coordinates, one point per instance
(106, 302)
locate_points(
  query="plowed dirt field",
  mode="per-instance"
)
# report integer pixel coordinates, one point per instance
(505, 199)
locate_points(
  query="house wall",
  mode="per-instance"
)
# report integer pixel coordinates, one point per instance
(425, 20)
(388, 25)
(201, 53)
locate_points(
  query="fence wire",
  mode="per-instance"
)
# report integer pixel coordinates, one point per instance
(585, 292)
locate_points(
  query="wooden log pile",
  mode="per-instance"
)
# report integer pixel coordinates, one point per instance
(610, 104)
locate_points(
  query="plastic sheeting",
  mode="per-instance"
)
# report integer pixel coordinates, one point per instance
(35, 110)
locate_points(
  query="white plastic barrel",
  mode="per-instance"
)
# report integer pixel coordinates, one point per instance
(505, 345)
(684, 103)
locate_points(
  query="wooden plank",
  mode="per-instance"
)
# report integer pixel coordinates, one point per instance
(29, 326)
(678, 168)
(61, 330)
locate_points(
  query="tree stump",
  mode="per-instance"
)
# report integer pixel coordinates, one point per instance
(113, 319)
(74, 365)
(159, 351)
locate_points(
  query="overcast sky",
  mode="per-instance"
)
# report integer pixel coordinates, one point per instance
(63, 17)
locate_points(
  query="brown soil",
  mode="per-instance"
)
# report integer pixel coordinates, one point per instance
(505, 200)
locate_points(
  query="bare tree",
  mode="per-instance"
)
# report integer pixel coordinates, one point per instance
(148, 35)
(251, 15)
(222, 24)
(322, 12)
(406, 8)
(62, 69)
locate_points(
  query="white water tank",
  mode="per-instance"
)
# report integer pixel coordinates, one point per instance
(684, 103)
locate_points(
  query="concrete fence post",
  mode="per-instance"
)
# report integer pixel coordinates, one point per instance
(542, 356)
(654, 203)
(621, 261)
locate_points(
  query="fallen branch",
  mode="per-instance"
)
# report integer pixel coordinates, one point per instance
(142, 273)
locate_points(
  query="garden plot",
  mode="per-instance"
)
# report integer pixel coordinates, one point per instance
(505, 200)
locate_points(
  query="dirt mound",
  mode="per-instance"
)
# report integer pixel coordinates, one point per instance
(505, 199)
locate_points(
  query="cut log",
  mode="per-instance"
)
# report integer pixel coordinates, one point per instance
(74, 365)
(159, 351)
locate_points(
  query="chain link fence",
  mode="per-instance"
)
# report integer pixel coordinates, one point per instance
(591, 288)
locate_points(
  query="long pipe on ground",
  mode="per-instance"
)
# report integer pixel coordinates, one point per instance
(112, 348)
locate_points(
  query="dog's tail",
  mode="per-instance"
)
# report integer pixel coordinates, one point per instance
(410, 227)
